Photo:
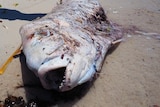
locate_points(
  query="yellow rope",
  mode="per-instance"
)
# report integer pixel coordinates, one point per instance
(4, 66)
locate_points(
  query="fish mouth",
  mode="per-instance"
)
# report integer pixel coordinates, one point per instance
(65, 74)
(52, 72)
(55, 79)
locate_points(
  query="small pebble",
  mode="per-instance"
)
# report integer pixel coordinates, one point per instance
(148, 38)
(115, 12)
(5, 26)
(129, 36)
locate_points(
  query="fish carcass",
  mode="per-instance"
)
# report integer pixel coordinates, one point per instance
(67, 47)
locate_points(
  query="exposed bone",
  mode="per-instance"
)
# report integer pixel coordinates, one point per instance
(75, 35)
(117, 41)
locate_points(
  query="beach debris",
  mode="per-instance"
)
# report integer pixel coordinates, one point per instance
(5, 26)
(13, 101)
(115, 11)
(1, 21)
(0, 5)
(15, 4)
(4, 66)
(67, 47)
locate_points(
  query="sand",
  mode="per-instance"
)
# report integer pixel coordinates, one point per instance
(130, 76)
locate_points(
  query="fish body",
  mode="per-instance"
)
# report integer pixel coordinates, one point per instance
(67, 47)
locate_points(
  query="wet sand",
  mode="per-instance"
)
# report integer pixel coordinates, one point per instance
(130, 76)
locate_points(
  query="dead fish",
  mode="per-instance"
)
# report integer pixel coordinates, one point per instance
(67, 47)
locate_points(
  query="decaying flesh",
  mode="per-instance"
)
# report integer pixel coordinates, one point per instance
(67, 47)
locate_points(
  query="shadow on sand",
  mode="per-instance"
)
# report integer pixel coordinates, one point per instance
(34, 90)
(14, 14)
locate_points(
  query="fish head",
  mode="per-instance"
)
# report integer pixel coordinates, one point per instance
(58, 63)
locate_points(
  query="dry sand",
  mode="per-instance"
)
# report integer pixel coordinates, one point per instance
(130, 76)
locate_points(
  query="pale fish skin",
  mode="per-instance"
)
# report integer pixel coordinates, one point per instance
(67, 47)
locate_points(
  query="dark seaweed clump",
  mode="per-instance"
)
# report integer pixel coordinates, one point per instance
(13, 101)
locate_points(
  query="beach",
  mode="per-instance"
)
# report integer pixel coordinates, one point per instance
(130, 76)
